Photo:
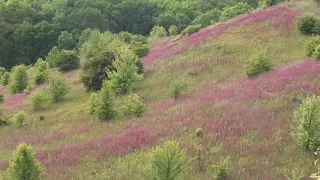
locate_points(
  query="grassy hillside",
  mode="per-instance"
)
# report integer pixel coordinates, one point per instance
(246, 119)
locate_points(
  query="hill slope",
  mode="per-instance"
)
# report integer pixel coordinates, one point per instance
(246, 119)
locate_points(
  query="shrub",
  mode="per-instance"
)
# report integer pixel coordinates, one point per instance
(93, 102)
(1, 98)
(167, 162)
(19, 118)
(3, 121)
(199, 132)
(57, 88)
(188, 31)
(316, 54)
(38, 100)
(158, 31)
(306, 124)
(258, 63)
(125, 72)
(104, 107)
(42, 117)
(5, 79)
(312, 45)
(18, 79)
(220, 170)
(42, 72)
(307, 23)
(207, 18)
(24, 164)
(133, 106)
(235, 10)
(2, 70)
(177, 87)
(96, 56)
(140, 49)
(173, 30)
(69, 60)
(65, 41)
(53, 56)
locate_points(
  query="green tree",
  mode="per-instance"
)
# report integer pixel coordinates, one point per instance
(42, 72)
(306, 124)
(105, 107)
(58, 87)
(18, 79)
(158, 31)
(307, 23)
(69, 60)
(5, 79)
(53, 56)
(19, 118)
(95, 57)
(66, 41)
(38, 100)
(167, 162)
(24, 164)
(126, 71)
(173, 30)
(235, 10)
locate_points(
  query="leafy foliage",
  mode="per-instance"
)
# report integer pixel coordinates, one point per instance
(235, 10)
(220, 170)
(157, 32)
(69, 60)
(167, 162)
(65, 41)
(177, 87)
(1, 98)
(133, 106)
(307, 23)
(5, 78)
(58, 87)
(258, 63)
(53, 56)
(102, 104)
(207, 18)
(18, 79)
(38, 100)
(173, 30)
(24, 165)
(95, 57)
(306, 124)
(312, 47)
(126, 71)
(19, 118)
(42, 72)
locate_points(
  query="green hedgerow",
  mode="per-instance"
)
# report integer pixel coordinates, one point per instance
(258, 63)
(24, 165)
(166, 162)
(306, 124)
(133, 106)
(307, 24)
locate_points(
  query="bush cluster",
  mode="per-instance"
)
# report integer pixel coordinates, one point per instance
(157, 32)
(313, 48)
(133, 106)
(258, 63)
(308, 24)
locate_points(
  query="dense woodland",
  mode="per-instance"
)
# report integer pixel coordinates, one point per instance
(29, 29)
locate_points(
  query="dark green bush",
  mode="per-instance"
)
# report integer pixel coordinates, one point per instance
(235, 10)
(207, 18)
(258, 63)
(133, 106)
(312, 45)
(69, 60)
(307, 24)
(140, 49)
(18, 80)
(306, 124)
(199, 132)
(66, 41)
(53, 57)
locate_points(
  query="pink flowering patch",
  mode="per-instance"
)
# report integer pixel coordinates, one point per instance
(281, 17)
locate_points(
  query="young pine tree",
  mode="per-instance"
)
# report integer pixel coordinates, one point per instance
(126, 71)
(104, 107)
(24, 166)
